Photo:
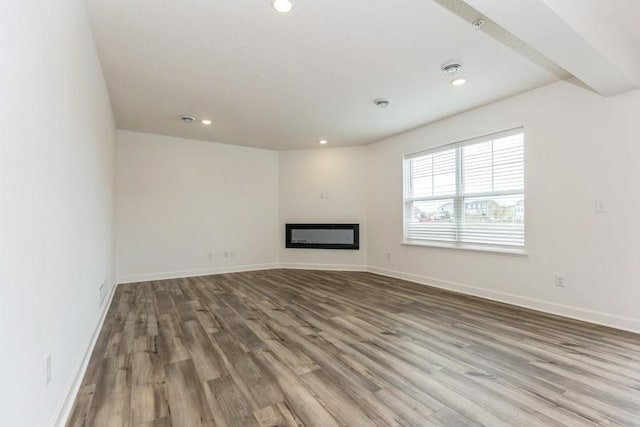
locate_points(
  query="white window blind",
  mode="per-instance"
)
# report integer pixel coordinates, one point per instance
(471, 192)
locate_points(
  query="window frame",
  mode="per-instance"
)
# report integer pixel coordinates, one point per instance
(459, 197)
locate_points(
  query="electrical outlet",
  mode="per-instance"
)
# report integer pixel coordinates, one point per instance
(226, 254)
(388, 256)
(560, 281)
(47, 369)
(600, 206)
(210, 255)
(324, 195)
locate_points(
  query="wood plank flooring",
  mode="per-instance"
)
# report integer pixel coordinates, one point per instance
(292, 348)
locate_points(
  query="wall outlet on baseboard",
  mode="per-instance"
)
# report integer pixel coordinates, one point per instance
(47, 369)
(560, 281)
(388, 256)
(102, 293)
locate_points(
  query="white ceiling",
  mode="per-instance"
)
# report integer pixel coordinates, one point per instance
(285, 81)
(591, 39)
(610, 26)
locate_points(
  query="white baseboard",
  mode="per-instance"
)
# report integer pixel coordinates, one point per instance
(333, 267)
(61, 415)
(604, 319)
(618, 322)
(135, 278)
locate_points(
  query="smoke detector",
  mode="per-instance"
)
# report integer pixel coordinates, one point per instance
(187, 119)
(382, 102)
(451, 68)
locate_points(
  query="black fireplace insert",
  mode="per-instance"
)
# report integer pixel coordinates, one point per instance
(323, 236)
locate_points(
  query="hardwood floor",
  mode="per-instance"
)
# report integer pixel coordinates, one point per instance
(291, 348)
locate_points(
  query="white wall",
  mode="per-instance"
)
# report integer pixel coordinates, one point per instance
(580, 147)
(56, 203)
(340, 172)
(181, 199)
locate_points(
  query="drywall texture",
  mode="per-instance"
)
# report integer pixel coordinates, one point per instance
(182, 204)
(339, 173)
(57, 196)
(580, 147)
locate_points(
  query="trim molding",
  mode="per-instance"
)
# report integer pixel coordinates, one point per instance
(585, 315)
(333, 267)
(576, 313)
(60, 417)
(135, 278)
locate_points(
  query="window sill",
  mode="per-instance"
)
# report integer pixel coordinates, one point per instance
(502, 250)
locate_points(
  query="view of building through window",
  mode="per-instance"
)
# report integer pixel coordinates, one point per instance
(470, 192)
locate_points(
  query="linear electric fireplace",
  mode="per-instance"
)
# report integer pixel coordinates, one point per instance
(323, 236)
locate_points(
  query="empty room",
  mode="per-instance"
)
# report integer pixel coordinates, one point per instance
(264, 213)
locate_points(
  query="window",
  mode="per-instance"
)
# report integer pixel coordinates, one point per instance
(468, 194)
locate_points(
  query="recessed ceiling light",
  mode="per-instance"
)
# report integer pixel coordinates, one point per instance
(206, 122)
(459, 82)
(382, 102)
(187, 119)
(282, 6)
(323, 141)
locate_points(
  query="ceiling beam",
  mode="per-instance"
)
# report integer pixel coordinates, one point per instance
(543, 29)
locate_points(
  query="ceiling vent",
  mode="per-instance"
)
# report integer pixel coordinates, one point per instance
(478, 24)
(451, 68)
